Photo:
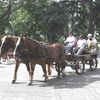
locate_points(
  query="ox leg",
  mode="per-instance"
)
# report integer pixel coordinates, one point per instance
(45, 72)
(32, 67)
(0, 60)
(63, 69)
(32, 70)
(58, 70)
(15, 72)
(49, 69)
(28, 69)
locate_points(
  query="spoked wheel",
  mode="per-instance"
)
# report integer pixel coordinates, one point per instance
(93, 63)
(80, 66)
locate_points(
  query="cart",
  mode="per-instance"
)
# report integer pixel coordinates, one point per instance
(78, 62)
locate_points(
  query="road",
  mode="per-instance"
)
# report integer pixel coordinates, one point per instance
(72, 87)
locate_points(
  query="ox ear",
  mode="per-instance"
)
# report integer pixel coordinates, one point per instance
(25, 35)
(21, 35)
(4, 35)
(7, 35)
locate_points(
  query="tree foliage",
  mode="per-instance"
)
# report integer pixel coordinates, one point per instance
(48, 20)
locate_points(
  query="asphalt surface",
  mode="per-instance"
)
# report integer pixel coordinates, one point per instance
(72, 87)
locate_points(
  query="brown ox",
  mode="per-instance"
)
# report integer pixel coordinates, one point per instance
(30, 52)
(56, 55)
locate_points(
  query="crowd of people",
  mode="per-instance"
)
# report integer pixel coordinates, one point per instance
(80, 44)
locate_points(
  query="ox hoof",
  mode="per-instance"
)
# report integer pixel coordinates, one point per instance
(45, 80)
(29, 83)
(64, 75)
(43, 75)
(49, 73)
(58, 77)
(13, 81)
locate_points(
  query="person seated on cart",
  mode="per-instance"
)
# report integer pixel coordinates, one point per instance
(70, 42)
(92, 43)
(81, 45)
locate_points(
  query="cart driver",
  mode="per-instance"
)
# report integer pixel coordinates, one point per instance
(70, 41)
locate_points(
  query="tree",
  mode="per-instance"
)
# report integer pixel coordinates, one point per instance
(4, 15)
(50, 20)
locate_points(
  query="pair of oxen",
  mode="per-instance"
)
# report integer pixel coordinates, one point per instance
(31, 52)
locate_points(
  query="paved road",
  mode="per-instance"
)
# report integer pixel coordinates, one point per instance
(72, 87)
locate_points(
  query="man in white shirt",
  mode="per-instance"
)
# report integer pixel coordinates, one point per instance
(81, 45)
(70, 41)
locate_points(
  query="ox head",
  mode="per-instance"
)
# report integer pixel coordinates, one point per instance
(19, 48)
(7, 42)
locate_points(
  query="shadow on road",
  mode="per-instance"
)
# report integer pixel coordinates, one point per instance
(73, 80)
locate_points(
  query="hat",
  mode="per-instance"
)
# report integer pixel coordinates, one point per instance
(89, 35)
(69, 32)
(81, 36)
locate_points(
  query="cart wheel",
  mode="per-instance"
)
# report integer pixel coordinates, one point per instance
(93, 63)
(80, 67)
